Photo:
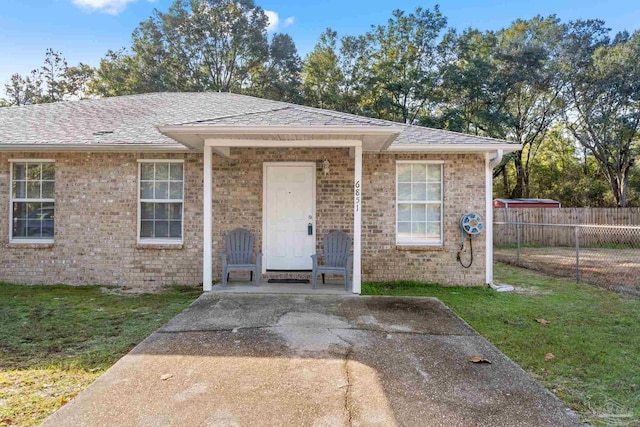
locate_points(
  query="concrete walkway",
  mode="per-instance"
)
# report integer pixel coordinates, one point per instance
(295, 360)
(329, 288)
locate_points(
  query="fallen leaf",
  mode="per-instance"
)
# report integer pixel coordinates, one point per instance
(478, 359)
(543, 321)
(166, 377)
(94, 369)
(549, 356)
(8, 421)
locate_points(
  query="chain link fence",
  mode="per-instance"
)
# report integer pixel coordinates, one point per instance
(607, 256)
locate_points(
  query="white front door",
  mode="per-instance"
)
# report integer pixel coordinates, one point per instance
(289, 215)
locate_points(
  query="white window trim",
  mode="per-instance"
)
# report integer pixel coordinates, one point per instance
(26, 240)
(154, 240)
(430, 243)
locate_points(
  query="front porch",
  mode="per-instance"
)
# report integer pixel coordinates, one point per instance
(292, 202)
(332, 287)
(246, 185)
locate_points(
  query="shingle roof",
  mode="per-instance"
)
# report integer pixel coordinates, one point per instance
(133, 120)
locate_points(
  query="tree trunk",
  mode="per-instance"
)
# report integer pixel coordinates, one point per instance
(616, 189)
(623, 179)
(519, 187)
(526, 188)
(505, 181)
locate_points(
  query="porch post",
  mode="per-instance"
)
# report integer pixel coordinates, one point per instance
(357, 222)
(207, 243)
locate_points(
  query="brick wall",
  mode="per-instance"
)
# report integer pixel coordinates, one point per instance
(237, 192)
(96, 226)
(96, 214)
(464, 179)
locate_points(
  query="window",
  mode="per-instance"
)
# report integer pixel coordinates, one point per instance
(419, 203)
(161, 200)
(32, 200)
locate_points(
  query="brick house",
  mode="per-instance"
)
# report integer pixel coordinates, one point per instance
(140, 190)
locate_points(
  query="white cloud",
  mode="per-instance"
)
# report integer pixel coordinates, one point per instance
(288, 22)
(274, 21)
(112, 7)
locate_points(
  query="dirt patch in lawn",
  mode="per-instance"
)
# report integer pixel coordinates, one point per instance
(614, 269)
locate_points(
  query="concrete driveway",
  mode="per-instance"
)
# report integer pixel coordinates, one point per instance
(295, 360)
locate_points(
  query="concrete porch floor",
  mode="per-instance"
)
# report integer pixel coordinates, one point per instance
(245, 287)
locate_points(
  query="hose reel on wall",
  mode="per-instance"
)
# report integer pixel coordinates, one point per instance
(471, 226)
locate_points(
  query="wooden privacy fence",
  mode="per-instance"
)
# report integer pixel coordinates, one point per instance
(556, 227)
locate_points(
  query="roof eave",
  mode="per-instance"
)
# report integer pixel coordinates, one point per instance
(271, 130)
(455, 148)
(123, 148)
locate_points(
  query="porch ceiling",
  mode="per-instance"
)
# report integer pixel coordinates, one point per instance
(194, 137)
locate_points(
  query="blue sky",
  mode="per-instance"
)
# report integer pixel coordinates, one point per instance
(83, 30)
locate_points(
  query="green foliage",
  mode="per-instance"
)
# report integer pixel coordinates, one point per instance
(279, 77)
(54, 81)
(321, 76)
(593, 335)
(404, 65)
(605, 119)
(566, 91)
(198, 45)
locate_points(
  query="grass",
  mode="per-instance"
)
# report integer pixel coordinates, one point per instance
(56, 340)
(594, 335)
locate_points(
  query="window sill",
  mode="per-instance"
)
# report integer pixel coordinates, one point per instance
(419, 248)
(29, 245)
(169, 246)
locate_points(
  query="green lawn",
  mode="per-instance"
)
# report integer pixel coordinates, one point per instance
(55, 340)
(594, 335)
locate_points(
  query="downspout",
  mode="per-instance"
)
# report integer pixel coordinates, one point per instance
(496, 161)
(490, 164)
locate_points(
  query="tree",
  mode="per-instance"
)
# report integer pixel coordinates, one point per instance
(355, 70)
(54, 81)
(52, 74)
(561, 171)
(321, 76)
(605, 94)
(116, 75)
(505, 85)
(405, 64)
(279, 77)
(76, 81)
(23, 90)
(528, 85)
(196, 45)
(466, 85)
